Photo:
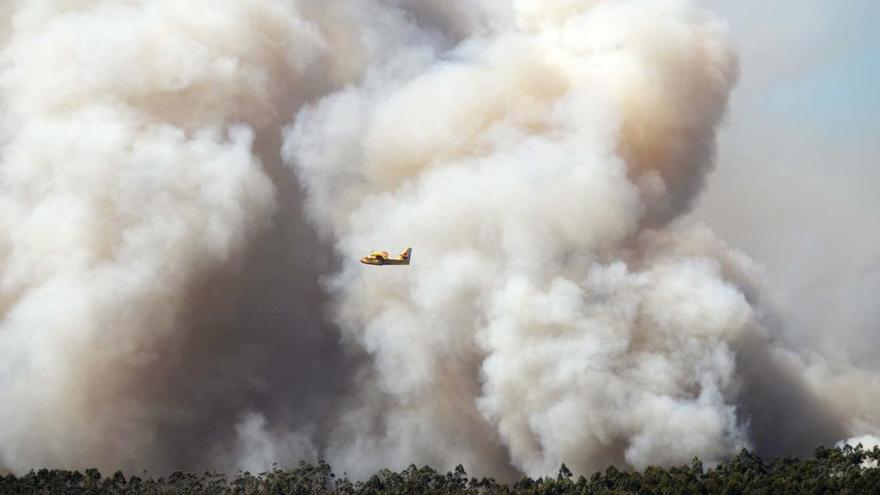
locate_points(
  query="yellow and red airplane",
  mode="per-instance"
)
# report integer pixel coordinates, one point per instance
(380, 258)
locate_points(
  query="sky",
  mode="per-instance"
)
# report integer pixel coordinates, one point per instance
(797, 168)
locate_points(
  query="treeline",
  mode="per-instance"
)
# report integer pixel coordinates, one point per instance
(837, 470)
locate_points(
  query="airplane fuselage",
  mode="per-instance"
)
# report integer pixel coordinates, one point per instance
(381, 258)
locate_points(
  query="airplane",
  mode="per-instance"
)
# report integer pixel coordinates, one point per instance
(380, 258)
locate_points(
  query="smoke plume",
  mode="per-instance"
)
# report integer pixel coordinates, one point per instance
(187, 186)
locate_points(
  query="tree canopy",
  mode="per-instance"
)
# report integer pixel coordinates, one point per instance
(846, 470)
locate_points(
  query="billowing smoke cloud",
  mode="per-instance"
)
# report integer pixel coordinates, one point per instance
(177, 178)
(134, 174)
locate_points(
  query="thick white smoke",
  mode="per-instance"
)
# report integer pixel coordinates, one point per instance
(550, 308)
(160, 285)
(539, 313)
(129, 182)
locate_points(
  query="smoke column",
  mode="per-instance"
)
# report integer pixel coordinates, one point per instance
(186, 187)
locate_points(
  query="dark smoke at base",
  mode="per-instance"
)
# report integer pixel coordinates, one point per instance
(176, 296)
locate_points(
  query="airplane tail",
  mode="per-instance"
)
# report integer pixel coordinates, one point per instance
(406, 254)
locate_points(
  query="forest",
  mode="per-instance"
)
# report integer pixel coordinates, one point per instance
(843, 470)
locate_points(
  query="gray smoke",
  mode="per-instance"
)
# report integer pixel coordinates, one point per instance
(186, 188)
